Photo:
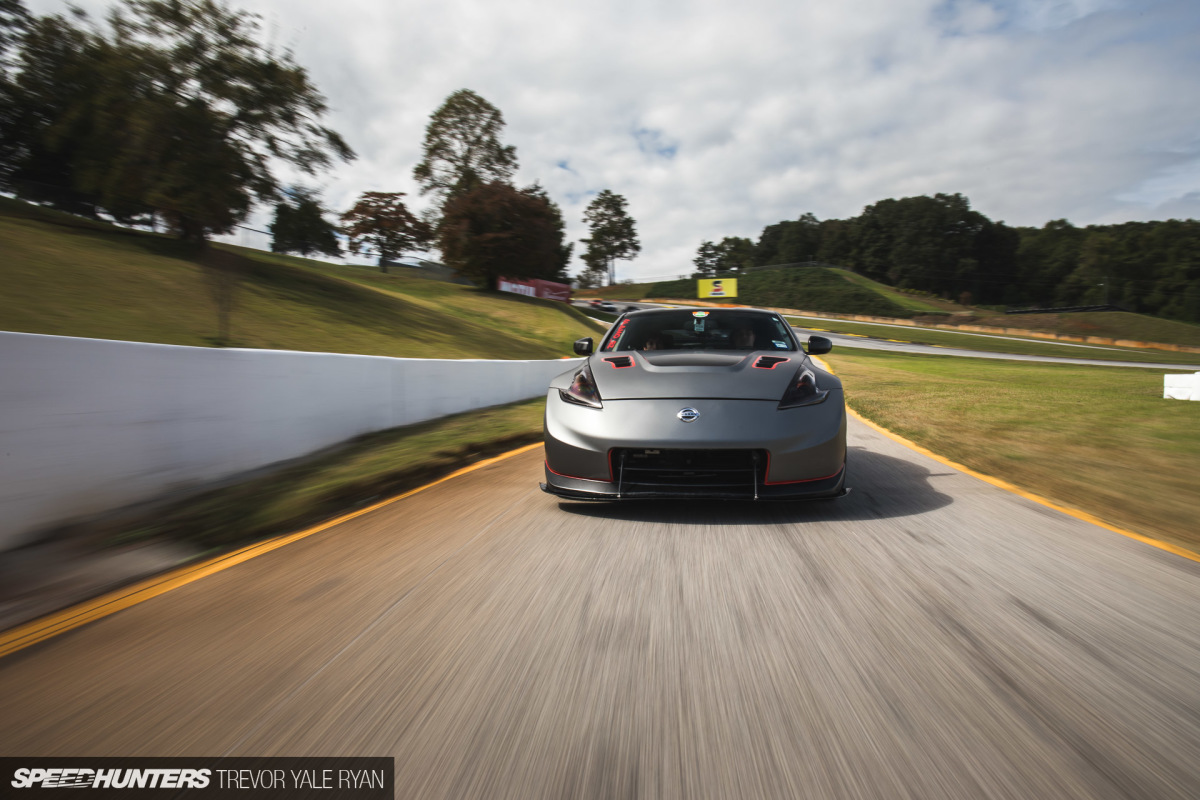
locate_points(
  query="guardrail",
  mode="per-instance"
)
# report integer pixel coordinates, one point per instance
(91, 425)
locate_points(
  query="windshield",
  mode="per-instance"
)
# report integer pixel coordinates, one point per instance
(700, 330)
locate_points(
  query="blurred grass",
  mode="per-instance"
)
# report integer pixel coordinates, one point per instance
(73, 277)
(1099, 439)
(994, 343)
(910, 302)
(806, 289)
(622, 291)
(336, 480)
(1108, 324)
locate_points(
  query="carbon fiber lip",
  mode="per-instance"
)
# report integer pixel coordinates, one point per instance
(572, 494)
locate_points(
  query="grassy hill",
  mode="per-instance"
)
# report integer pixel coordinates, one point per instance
(74, 277)
(808, 289)
(1109, 324)
(838, 291)
(918, 303)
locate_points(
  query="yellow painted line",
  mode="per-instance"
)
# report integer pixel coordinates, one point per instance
(89, 611)
(1008, 487)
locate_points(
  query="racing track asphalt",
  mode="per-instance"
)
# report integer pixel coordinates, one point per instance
(928, 636)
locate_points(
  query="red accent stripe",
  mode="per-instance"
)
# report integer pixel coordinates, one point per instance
(577, 478)
(768, 482)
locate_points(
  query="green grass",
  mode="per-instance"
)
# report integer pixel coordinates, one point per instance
(805, 289)
(1107, 324)
(622, 291)
(72, 277)
(994, 344)
(1098, 439)
(335, 480)
(528, 317)
(911, 302)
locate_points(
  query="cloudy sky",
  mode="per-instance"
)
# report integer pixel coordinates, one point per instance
(716, 118)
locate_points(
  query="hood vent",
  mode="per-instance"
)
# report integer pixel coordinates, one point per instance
(620, 362)
(770, 362)
(678, 359)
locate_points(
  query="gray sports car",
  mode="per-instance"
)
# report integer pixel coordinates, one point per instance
(721, 403)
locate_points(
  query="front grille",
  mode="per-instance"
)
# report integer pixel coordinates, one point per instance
(689, 473)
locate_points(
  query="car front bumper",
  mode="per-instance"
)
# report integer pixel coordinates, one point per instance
(797, 453)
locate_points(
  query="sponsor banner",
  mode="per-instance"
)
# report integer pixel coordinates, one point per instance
(247, 778)
(718, 287)
(535, 287)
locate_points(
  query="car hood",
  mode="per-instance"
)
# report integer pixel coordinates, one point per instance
(635, 375)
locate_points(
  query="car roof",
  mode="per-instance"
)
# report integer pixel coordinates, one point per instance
(740, 309)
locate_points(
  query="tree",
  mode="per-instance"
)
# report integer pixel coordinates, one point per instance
(732, 254)
(735, 254)
(13, 19)
(53, 70)
(613, 233)
(708, 257)
(496, 230)
(462, 148)
(800, 240)
(935, 244)
(595, 271)
(300, 225)
(565, 248)
(382, 224)
(180, 108)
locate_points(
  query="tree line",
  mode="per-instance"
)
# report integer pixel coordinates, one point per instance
(174, 111)
(942, 246)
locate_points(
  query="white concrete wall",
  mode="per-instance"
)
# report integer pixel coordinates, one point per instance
(89, 425)
(1181, 387)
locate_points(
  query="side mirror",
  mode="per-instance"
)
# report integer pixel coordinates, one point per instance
(817, 345)
(583, 347)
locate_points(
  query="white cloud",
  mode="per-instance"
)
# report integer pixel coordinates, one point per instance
(717, 119)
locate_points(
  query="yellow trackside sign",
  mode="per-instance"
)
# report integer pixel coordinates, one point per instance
(718, 287)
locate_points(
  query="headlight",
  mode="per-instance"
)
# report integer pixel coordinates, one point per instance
(582, 390)
(803, 390)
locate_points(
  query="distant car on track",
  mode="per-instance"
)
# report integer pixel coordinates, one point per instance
(611, 308)
(721, 403)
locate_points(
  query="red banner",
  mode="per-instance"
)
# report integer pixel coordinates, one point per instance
(536, 287)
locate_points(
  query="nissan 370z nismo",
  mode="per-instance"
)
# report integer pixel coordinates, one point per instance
(716, 403)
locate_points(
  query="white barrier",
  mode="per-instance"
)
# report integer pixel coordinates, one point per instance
(89, 425)
(1181, 387)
